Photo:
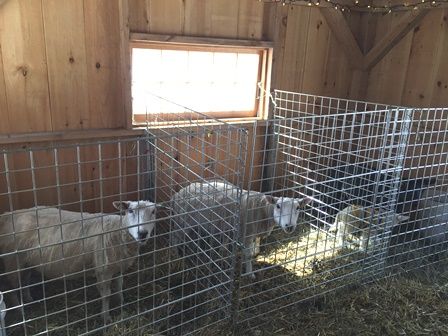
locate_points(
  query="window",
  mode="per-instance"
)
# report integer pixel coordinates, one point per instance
(223, 80)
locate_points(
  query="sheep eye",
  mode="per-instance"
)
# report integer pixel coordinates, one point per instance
(278, 206)
(130, 211)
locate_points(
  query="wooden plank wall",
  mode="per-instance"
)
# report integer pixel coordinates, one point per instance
(60, 65)
(308, 57)
(60, 70)
(415, 71)
(218, 18)
(85, 177)
(60, 61)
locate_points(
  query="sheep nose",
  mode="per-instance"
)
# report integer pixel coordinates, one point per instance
(143, 234)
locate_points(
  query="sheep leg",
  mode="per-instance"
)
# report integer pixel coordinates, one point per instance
(119, 288)
(26, 281)
(247, 254)
(364, 238)
(340, 235)
(104, 281)
(257, 244)
(10, 266)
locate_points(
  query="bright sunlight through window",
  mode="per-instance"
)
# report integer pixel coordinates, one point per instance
(207, 80)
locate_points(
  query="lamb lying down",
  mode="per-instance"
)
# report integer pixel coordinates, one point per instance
(60, 243)
(366, 224)
(210, 205)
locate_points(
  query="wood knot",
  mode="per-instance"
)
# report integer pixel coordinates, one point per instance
(23, 69)
(97, 65)
(71, 59)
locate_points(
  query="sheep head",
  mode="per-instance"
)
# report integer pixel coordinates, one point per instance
(139, 218)
(287, 210)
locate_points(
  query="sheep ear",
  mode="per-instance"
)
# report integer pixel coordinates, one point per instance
(270, 199)
(305, 201)
(121, 205)
(162, 207)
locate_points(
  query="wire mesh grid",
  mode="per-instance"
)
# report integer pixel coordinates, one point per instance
(422, 239)
(74, 262)
(374, 174)
(335, 192)
(203, 221)
(2, 315)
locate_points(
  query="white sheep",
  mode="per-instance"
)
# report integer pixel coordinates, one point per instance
(60, 243)
(365, 224)
(208, 207)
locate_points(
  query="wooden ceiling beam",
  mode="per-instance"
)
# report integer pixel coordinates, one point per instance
(342, 32)
(382, 47)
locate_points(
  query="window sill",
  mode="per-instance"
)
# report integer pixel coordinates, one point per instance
(250, 121)
(25, 138)
(136, 130)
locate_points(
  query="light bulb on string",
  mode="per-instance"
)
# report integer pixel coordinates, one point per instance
(369, 6)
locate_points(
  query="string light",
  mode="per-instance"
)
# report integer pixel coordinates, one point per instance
(362, 5)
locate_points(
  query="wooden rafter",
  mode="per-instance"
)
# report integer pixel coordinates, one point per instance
(339, 27)
(408, 22)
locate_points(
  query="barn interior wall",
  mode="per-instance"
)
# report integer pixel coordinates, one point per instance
(61, 62)
(415, 71)
(60, 65)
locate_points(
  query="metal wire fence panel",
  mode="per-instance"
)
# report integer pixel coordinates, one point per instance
(79, 258)
(422, 239)
(348, 157)
(336, 192)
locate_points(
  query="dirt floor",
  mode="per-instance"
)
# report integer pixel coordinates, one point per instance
(410, 304)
